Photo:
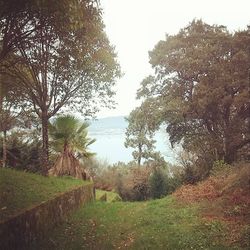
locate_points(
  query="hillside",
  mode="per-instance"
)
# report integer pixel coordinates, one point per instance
(214, 214)
(22, 190)
(223, 197)
(113, 122)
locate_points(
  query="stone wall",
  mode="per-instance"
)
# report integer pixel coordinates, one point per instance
(19, 231)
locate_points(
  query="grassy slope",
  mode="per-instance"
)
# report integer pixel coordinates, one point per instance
(224, 197)
(20, 190)
(158, 224)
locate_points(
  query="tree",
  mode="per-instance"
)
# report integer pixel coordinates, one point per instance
(201, 84)
(72, 65)
(69, 138)
(20, 19)
(14, 17)
(143, 122)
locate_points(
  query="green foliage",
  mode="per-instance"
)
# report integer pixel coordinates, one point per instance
(174, 182)
(220, 167)
(204, 104)
(130, 181)
(23, 151)
(61, 56)
(133, 182)
(80, 66)
(158, 183)
(105, 176)
(69, 133)
(143, 122)
(69, 138)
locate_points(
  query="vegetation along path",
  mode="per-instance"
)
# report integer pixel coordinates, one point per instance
(156, 224)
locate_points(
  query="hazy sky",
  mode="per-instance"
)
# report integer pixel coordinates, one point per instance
(135, 26)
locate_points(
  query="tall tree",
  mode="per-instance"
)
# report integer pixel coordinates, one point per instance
(142, 123)
(71, 66)
(202, 83)
(19, 20)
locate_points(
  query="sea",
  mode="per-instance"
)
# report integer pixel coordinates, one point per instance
(110, 137)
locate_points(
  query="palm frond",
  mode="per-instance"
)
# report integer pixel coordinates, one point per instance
(91, 142)
(83, 128)
(70, 131)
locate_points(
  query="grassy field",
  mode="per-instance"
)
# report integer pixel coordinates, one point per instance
(21, 190)
(158, 224)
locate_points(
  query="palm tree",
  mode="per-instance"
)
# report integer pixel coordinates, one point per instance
(68, 137)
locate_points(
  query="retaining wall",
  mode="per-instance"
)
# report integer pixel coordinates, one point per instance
(17, 232)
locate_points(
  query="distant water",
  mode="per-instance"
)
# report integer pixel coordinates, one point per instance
(110, 137)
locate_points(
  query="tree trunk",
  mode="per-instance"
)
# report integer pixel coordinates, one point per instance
(230, 157)
(4, 149)
(139, 161)
(139, 155)
(68, 164)
(229, 152)
(45, 147)
(1, 114)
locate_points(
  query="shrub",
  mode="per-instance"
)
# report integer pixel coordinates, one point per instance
(174, 183)
(158, 183)
(23, 152)
(220, 167)
(134, 185)
(195, 167)
(132, 182)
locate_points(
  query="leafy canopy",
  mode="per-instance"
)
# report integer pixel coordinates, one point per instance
(201, 86)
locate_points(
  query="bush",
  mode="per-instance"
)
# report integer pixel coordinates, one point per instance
(220, 167)
(195, 167)
(23, 154)
(158, 184)
(173, 183)
(134, 186)
(132, 182)
(108, 177)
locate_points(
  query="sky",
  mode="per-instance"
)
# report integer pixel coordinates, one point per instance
(134, 27)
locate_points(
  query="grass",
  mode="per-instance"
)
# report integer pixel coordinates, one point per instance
(156, 224)
(21, 190)
(199, 222)
(111, 196)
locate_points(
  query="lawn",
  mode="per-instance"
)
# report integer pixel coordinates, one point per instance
(157, 224)
(21, 190)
